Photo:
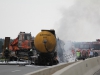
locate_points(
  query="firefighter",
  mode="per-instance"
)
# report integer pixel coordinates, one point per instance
(78, 54)
(91, 53)
(30, 54)
(95, 54)
(83, 56)
(6, 55)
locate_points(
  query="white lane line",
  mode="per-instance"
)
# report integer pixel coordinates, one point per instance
(32, 66)
(15, 70)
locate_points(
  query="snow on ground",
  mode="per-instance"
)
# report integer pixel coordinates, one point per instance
(14, 62)
(33, 66)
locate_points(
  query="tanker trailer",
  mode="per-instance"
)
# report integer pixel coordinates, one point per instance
(45, 44)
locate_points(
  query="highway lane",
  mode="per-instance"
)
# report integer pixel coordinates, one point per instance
(18, 70)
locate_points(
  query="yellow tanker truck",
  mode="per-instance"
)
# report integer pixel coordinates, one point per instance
(45, 45)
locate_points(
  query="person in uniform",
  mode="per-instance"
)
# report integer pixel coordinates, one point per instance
(78, 55)
(91, 54)
(96, 54)
(30, 54)
(6, 55)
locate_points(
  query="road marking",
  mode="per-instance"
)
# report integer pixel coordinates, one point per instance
(16, 70)
(32, 66)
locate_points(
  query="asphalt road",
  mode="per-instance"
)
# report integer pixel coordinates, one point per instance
(18, 70)
(97, 73)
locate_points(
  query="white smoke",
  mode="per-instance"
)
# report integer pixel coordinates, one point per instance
(64, 51)
(81, 22)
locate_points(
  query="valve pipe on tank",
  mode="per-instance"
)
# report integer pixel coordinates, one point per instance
(45, 41)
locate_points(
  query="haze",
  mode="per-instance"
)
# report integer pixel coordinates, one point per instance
(75, 20)
(81, 22)
(29, 15)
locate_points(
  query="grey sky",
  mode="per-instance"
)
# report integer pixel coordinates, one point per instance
(30, 15)
(81, 21)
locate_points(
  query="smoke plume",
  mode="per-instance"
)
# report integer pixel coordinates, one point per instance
(80, 22)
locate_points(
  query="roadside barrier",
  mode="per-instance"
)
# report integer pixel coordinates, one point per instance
(49, 70)
(83, 67)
